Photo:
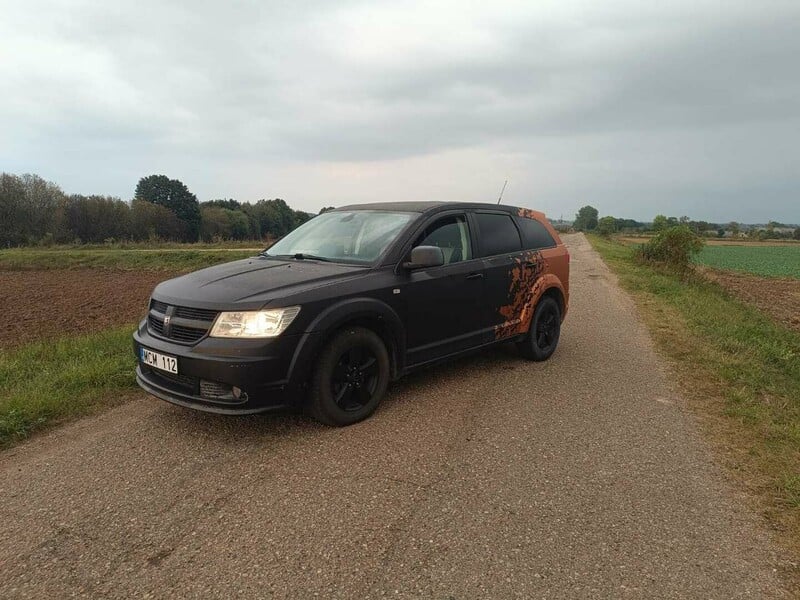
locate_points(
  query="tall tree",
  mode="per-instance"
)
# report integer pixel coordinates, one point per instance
(216, 224)
(12, 210)
(702, 226)
(228, 203)
(154, 222)
(28, 208)
(224, 224)
(606, 226)
(174, 195)
(94, 219)
(660, 223)
(275, 218)
(586, 219)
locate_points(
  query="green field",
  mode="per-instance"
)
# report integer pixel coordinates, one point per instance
(153, 260)
(767, 261)
(51, 381)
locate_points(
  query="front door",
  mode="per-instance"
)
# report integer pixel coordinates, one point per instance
(443, 304)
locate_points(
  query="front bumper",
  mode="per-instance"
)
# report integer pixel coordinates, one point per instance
(209, 370)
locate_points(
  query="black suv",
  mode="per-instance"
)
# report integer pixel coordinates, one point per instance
(355, 297)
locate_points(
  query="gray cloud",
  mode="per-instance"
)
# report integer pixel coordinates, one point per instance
(690, 108)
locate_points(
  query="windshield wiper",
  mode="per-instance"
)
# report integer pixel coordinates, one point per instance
(302, 256)
(298, 256)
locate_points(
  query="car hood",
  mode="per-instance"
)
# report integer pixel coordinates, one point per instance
(251, 283)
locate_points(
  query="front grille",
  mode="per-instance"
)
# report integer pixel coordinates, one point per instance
(198, 314)
(159, 306)
(185, 325)
(155, 324)
(186, 334)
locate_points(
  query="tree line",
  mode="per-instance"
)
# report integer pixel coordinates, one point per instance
(587, 220)
(34, 211)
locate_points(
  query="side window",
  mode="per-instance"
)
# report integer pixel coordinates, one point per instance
(451, 234)
(535, 234)
(498, 234)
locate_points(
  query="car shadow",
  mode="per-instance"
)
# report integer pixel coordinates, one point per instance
(246, 429)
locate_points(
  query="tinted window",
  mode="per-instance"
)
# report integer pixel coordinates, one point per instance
(535, 234)
(498, 234)
(451, 234)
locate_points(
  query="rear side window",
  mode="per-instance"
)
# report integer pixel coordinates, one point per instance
(535, 235)
(498, 234)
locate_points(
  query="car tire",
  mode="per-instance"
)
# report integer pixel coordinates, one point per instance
(542, 338)
(350, 377)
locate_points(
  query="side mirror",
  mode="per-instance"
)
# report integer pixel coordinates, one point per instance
(425, 256)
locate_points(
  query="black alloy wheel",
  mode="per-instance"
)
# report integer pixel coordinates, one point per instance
(545, 330)
(350, 377)
(355, 378)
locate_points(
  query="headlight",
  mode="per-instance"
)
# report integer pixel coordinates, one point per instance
(254, 324)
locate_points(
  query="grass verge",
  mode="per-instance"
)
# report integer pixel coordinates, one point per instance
(158, 260)
(44, 383)
(739, 370)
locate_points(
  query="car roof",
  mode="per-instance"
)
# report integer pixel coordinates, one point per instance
(425, 207)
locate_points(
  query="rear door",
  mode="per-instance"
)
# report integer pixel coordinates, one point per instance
(500, 247)
(443, 304)
(536, 237)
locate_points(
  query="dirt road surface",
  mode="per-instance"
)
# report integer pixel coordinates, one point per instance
(582, 477)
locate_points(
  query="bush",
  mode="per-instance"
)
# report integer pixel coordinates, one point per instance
(672, 247)
(606, 226)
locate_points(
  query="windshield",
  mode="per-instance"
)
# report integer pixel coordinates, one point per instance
(358, 236)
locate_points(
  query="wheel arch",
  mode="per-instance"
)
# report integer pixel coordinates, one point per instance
(377, 324)
(369, 313)
(555, 292)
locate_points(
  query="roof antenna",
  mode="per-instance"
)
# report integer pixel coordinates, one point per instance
(501, 191)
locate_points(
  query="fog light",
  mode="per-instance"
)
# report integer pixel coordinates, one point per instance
(221, 392)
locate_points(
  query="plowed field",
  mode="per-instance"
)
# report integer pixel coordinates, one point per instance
(45, 304)
(777, 297)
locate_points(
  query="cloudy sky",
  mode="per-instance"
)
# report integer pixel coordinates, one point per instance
(677, 107)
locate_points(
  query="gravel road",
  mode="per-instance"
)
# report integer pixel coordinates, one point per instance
(583, 477)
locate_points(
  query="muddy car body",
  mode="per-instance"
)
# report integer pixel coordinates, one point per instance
(350, 300)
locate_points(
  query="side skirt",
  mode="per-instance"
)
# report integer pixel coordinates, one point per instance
(447, 357)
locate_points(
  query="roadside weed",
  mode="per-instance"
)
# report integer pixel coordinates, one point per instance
(46, 382)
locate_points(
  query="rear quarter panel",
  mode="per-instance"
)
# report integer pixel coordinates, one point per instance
(554, 271)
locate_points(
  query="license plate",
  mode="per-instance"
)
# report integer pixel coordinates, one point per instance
(159, 361)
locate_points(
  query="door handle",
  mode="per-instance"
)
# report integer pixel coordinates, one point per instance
(475, 276)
